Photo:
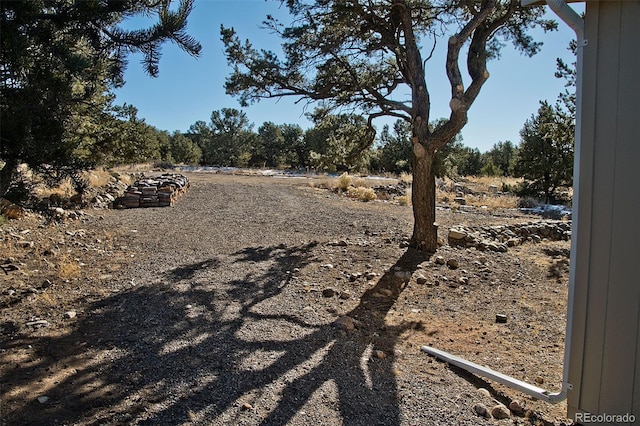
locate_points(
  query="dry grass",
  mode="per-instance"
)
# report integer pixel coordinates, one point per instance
(64, 190)
(98, 178)
(362, 193)
(360, 182)
(404, 200)
(406, 177)
(68, 268)
(344, 182)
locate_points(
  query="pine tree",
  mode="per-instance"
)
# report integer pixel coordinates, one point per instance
(57, 61)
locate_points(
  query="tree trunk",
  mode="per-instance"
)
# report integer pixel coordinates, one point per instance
(6, 174)
(423, 199)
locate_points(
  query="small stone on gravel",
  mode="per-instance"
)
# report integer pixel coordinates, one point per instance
(481, 410)
(345, 323)
(453, 263)
(517, 408)
(421, 279)
(329, 292)
(379, 354)
(70, 314)
(500, 412)
(484, 392)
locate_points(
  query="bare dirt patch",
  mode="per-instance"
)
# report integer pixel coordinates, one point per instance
(222, 310)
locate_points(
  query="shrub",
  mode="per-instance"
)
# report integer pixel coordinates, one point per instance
(406, 177)
(362, 193)
(404, 200)
(344, 181)
(359, 182)
(527, 203)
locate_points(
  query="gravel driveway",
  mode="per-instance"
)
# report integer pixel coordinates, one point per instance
(226, 311)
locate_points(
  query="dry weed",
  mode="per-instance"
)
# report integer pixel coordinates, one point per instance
(404, 200)
(98, 177)
(68, 269)
(344, 181)
(359, 182)
(362, 193)
(406, 177)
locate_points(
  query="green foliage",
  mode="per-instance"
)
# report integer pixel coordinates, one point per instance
(490, 169)
(270, 148)
(503, 156)
(395, 151)
(546, 152)
(338, 142)
(226, 140)
(184, 150)
(59, 60)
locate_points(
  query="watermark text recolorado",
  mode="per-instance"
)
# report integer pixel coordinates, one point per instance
(605, 418)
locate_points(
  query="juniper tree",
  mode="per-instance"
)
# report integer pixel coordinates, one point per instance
(57, 57)
(367, 54)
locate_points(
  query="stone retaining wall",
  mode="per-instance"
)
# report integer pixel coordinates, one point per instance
(499, 238)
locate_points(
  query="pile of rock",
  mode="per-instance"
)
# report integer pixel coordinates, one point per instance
(499, 238)
(106, 196)
(159, 191)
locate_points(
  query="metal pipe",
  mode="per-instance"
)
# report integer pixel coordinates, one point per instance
(571, 18)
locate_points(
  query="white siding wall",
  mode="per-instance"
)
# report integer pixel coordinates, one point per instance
(605, 348)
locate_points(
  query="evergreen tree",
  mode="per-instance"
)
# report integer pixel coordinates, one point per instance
(545, 160)
(57, 59)
(366, 54)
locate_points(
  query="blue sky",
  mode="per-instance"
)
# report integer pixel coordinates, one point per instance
(189, 89)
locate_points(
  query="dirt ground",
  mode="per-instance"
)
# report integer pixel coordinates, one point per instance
(261, 300)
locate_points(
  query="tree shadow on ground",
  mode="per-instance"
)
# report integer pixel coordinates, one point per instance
(209, 344)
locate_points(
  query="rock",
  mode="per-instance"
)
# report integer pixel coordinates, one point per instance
(379, 354)
(500, 412)
(354, 276)
(501, 318)
(539, 380)
(247, 406)
(386, 292)
(70, 314)
(481, 410)
(453, 263)
(38, 323)
(43, 399)
(46, 284)
(327, 265)
(493, 189)
(517, 408)
(345, 323)
(439, 260)
(370, 275)
(344, 295)
(456, 234)
(403, 275)
(512, 242)
(421, 279)
(460, 200)
(484, 392)
(329, 292)
(463, 280)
